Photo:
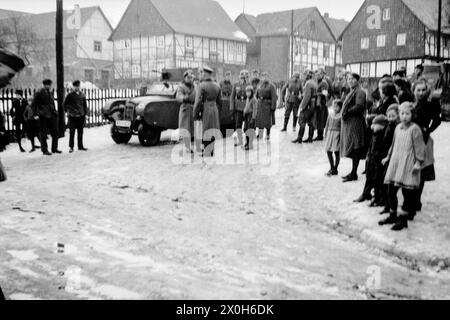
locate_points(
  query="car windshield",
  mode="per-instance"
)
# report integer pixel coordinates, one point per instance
(161, 89)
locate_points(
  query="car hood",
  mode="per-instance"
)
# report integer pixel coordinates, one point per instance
(148, 99)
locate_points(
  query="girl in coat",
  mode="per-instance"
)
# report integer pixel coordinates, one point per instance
(333, 137)
(250, 114)
(405, 158)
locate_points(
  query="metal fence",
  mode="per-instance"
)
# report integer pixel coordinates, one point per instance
(96, 98)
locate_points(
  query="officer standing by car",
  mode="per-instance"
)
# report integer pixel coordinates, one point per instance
(237, 105)
(48, 117)
(294, 89)
(76, 108)
(306, 109)
(186, 96)
(206, 108)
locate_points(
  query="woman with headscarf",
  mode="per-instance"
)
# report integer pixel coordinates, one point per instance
(353, 127)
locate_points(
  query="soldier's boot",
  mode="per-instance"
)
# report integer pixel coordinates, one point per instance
(286, 121)
(301, 133)
(402, 223)
(295, 123)
(310, 135)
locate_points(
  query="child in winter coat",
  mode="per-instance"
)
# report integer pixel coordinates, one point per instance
(333, 137)
(250, 113)
(394, 119)
(405, 158)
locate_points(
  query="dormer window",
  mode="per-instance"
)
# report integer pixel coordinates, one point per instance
(387, 14)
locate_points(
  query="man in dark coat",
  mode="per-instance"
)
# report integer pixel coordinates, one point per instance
(306, 109)
(267, 104)
(237, 105)
(292, 92)
(48, 117)
(76, 108)
(10, 65)
(353, 130)
(206, 108)
(321, 111)
(19, 103)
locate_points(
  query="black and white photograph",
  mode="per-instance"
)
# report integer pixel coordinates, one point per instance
(224, 150)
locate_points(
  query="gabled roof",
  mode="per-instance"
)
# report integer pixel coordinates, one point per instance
(427, 12)
(337, 26)
(279, 23)
(251, 19)
(44, 24)
(204, 18)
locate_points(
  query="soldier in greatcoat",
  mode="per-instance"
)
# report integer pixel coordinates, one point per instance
(306, 109)
(321, 111)
(237, 105)
(267, 103)
(292, 92)
(206, 108)
(186, 96)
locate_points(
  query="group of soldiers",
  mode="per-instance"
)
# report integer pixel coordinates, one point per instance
(308, 100)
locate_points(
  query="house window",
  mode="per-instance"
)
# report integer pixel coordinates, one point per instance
(401, 39)
(230, 47)
(89, 75)
(326, 51)
(213, 45)
(315, 52)
(304, 47)
(97, 46)
(365, 70)
(29, 71)
(365, 43)
(189, 43)
(240, 48)
(381, 40)
(160, 42)
(386, 14)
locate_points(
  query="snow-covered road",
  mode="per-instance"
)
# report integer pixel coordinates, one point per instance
(134, 222)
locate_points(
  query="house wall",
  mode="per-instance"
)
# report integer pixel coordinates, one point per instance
(275, 57)
(95, 29)
(401, 21)
(372, 21)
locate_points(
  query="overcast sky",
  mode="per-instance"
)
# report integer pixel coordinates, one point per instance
(114, 9)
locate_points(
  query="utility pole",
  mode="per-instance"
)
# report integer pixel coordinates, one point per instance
(439, 32)
(292, 43)
(60, 67)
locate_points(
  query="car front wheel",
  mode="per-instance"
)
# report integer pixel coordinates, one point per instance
(119, 137)
(149, 136)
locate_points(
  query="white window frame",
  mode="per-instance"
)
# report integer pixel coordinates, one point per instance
(386, 14)
(189, 43)
(381, 41)
(98, 44)
(365, 70)
(160, 42)
(213, 45)
(401, 39)
(365, 43)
